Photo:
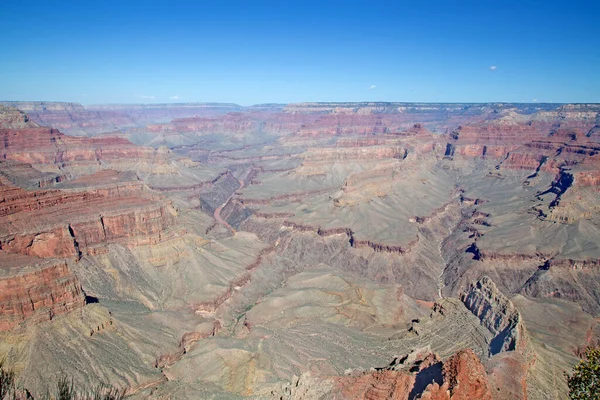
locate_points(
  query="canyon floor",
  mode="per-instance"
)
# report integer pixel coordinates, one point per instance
(301, 251)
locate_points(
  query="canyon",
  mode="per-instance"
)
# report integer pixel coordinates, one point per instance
(300, 251)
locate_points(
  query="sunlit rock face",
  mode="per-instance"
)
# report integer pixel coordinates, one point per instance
(34, 290)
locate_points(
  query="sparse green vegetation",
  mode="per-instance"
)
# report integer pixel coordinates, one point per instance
(65, 389)
(584, 383)
(7, 382)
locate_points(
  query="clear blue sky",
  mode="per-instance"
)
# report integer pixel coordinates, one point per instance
(251, 52)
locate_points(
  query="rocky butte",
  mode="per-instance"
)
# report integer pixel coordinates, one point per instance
(300, 251)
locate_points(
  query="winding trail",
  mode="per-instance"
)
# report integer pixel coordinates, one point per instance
(217, 213)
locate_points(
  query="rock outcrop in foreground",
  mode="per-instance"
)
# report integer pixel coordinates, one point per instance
(420, 374)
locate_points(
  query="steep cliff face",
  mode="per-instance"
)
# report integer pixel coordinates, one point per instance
(378, 386)
(41, 230)
(34, 290)
(54, 242)
(48, 149)
(464, 378)
(68, 223)
(497, 313)
(425, 376)
(521, 141)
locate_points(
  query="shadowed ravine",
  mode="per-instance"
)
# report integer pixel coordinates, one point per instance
(217, 213)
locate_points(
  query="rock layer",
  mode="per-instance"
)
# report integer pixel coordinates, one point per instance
(69, 223)
(34, 290)
(461, 377)
(497, 313)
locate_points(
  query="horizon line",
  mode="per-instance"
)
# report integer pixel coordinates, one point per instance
(231, 104)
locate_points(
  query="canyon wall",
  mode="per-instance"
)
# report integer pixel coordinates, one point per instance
(34, 290)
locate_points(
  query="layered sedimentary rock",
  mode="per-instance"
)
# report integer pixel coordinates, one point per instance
(48, 149)
(72, 222)
(523, 141)
(417, 375)
(497, 313)
(464, 378)
(34, 290)
(75, 119)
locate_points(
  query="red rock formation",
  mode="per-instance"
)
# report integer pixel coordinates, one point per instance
(357, 243)
(461, 377)
(385, 248)
(260, 214)
(507, 374)
(567, 263)
(587, 178)
(49, 146)
(66, 223)
(54, 243)
(543, 141)
(378, 385)
(211, 306)
(464, 379)
(33, 290)
(187, 340)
